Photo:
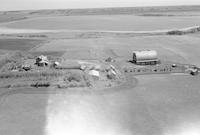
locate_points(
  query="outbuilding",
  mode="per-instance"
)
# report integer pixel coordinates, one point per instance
(95, 74)
(42, 61)
(148, 57)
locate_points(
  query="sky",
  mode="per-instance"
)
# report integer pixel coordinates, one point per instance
(64, 4)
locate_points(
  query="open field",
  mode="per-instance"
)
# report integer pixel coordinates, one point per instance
(143, 110)
(23, 111)
(18, 44)
(146, 109)
(9, 16)
(6, 17)
(170, 48)
(103, 22)
(162, 104)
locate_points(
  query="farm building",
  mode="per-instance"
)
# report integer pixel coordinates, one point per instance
(149, 57)
(68, 65)
(95, 74)
(55, 64)
(42, 61)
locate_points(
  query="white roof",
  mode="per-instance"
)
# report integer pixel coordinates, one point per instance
(57, 63)
(146, 55)
(42, 57)
(94, 73)
(43, 61)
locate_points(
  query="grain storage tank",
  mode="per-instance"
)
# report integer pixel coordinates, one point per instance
(149, 57)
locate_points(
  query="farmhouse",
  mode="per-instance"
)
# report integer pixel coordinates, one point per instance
(42, 61)
(149, 57)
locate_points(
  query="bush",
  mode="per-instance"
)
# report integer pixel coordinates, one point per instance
(87, 80)
(31, 74)
(40, 84)
(182, 32)
(44, 78)
(73, 77)
(175, 32)
(14, 58)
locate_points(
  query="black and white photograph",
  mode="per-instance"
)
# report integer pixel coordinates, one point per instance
(99, 67)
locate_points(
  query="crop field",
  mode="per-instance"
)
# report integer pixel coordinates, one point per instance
(103, 22)
(7, 17)
(18, 44)
(23, 113)
(145, 109)
(154, 104)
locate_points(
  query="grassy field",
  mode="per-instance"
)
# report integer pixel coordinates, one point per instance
(103, 22)
(8, 16)
(146, 109)
(18, 44)
(14, 16)
(23, 111)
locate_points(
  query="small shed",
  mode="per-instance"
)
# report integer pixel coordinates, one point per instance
(111, 74)
(55, 64)
(94, 73)
(26, 67)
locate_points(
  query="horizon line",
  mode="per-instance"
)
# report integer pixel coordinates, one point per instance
(106, 7)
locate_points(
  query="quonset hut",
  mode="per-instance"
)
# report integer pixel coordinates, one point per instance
(149, 57)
